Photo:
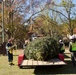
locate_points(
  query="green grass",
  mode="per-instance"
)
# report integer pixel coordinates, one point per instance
(5, 69)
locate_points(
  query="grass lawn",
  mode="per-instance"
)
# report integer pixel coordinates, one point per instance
(5, 69)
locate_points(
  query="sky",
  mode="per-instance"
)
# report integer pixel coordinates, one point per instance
(63, 11)
(56, 1)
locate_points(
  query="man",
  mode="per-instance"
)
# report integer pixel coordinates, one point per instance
(72, 49)
(9, 48)
(61, 47)
(26, 42)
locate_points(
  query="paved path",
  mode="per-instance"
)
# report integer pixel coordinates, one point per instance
(67, 54)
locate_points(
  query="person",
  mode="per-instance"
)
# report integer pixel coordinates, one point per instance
(61, 47)
(72, 49)
(9, 48)
(26, 42)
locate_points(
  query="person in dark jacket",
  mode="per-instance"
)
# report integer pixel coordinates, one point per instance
(9, 48)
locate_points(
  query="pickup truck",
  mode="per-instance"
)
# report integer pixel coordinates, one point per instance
(22, 62)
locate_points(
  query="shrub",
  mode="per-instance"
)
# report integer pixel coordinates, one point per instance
(43, 48)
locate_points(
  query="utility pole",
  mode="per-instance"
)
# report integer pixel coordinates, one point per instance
(3, 21)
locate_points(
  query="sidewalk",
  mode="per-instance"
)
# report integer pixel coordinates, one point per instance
(67, 55)
(67, 50)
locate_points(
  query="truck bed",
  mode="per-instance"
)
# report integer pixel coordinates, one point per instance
(56, 61)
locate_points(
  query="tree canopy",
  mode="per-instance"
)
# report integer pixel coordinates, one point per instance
(46, 16)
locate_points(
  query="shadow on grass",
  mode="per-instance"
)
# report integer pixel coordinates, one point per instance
(65, 55)
(14, 54)
(68, 69)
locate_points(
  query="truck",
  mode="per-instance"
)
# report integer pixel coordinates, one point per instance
(23, 62)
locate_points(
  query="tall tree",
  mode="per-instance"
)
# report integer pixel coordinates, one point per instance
(68, 8)
(45, 25)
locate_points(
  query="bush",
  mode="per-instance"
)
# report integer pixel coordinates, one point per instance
(43, 48)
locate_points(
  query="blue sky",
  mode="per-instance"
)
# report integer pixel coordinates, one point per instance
(56, 1)
(74, 1)
(64, 11)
